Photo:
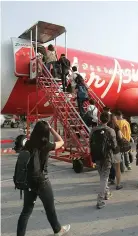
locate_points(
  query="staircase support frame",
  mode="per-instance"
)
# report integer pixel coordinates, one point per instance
(59, 104)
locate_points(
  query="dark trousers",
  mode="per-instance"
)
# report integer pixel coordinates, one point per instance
(126, 159)
(47, 198)
(80, 106)
(64, 81)
(112, 173)
(53, 70)
(48, 65)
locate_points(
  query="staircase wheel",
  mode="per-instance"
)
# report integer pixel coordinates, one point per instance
(14, 125)
(77, 166)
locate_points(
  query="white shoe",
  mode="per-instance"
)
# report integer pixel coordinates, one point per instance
(63, 230)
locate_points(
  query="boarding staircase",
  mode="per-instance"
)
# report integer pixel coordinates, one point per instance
(66, 111)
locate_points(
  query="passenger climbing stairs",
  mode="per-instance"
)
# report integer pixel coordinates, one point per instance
(76, 132)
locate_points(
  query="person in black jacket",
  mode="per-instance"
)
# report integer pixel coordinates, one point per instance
(65, 66)
(40, 186)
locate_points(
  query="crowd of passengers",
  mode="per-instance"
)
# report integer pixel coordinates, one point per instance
(72, 81)
(118, 127)
(117, 152)
(58, 67)
(108, 141)
(110, 145)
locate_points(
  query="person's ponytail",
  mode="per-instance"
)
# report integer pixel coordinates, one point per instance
(44, 142)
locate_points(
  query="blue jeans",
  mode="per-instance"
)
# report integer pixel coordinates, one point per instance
(53, 63)
(80, 107)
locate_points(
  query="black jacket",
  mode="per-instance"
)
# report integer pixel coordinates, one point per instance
(65, 64)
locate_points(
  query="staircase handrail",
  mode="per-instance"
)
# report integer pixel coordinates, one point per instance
(99, 101)
(64, 95)
(70, 105)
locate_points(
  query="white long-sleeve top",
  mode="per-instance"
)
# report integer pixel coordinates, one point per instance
(94, 110)
(72, 78)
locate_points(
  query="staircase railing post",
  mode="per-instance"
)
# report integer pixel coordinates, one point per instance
(28, 123)
(36, 99)
(66, 43)
(65, 131)
(31, 45)
(55, 128)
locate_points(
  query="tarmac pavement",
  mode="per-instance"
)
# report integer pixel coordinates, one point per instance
(75, 200)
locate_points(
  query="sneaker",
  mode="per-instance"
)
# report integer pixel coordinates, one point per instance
(112, 182)
(108, 195)
(100, 205)
(119, 187)
(129, 168)
(65, 229)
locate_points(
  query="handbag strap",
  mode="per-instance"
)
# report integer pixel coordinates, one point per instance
(93, 109)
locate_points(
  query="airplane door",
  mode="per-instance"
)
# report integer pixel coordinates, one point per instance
(21, 53)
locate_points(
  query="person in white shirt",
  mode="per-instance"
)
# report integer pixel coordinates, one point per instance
(51, 54)
(94, 111)
(51, 57)
(72, 78)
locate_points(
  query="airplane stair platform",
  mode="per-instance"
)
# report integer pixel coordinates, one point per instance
(74, 130)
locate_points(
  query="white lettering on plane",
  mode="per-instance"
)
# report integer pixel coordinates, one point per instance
(125, 76)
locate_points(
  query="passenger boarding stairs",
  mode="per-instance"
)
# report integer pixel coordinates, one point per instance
(66, 111)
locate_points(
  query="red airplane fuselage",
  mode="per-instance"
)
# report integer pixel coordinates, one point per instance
(113, 80)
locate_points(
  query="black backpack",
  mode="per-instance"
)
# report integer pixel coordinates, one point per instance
(100, 144)
(22, 170)
(124, 145)
(88, 117)
(90, 112)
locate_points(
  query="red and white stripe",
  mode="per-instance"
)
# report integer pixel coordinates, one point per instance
(7, 151)
(6, 141)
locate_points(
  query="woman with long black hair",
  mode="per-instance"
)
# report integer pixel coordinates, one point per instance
(115, 169)
(41, 187)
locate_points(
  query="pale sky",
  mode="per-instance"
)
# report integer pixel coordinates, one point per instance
(107, 28)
